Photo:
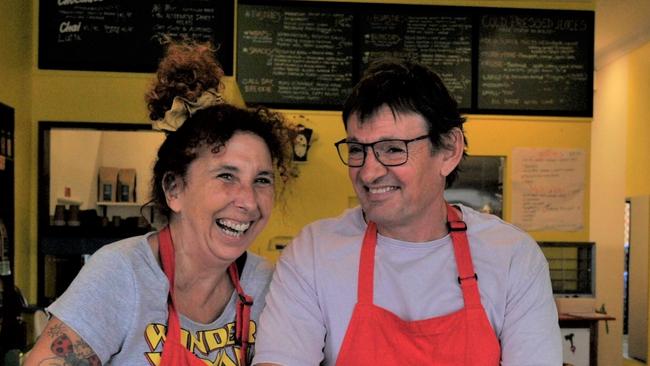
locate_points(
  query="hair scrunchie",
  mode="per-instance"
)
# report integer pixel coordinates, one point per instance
(183, 108)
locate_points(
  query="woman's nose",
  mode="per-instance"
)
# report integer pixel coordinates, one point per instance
(245, 197)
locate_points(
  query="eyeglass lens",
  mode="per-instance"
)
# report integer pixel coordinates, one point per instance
(388, 152)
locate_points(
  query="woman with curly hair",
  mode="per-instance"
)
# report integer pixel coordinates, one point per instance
(189, 294)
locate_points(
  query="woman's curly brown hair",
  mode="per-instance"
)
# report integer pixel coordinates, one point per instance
(187, 70)
(213, 127)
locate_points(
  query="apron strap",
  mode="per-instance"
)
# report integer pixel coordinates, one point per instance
(367, 265)
(467, 278)
(166, 250)
(242, 314)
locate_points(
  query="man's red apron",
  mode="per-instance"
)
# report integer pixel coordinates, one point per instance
(175, 353)
(375, 336)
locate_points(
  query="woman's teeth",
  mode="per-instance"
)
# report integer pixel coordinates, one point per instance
(233, 228)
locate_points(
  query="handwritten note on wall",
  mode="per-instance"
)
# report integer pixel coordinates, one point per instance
(548, 189)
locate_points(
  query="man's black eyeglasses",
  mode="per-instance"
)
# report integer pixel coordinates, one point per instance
(392, 152)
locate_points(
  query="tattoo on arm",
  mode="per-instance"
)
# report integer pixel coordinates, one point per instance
(68, 353)
(56, 330)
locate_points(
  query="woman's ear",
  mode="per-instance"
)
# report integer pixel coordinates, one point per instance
(172, 186)
(452, 152)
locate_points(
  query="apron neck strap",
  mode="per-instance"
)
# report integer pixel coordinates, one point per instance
(367, 265)
(242, 314)
(166, 250)
(467, 278)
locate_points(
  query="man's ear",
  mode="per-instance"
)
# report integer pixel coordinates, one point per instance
(172, 186)
(452, 151)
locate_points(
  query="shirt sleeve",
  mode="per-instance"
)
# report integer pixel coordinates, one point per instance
(99, 303)
(531, 333)
(292, 330)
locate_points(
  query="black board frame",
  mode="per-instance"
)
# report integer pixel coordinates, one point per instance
(357, 9)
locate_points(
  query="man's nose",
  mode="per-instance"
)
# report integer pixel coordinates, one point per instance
(371, 168)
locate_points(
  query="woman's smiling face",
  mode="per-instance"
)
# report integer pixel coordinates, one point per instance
(225, 198)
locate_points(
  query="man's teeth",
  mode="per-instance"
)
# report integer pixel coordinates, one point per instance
(232, 227)
(382, 189)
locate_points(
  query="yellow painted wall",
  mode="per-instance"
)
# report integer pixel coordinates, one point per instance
(638, 132)
(638, 124)
(608, 155)
(15, 91)
(620, 168)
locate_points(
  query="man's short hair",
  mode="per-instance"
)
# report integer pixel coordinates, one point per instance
(406, 87)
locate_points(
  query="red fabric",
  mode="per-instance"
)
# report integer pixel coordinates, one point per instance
(243, 314)
(175, 353)
(375, 336)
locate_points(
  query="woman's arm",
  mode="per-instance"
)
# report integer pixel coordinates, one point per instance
(60, 345)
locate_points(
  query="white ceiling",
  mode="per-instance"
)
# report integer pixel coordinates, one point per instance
(621, 26)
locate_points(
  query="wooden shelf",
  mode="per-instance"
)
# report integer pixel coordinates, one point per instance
(584, 316)
(118, 204)
(104, 205)
(69, 201)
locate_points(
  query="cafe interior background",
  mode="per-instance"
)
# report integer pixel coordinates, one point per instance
(615, 144)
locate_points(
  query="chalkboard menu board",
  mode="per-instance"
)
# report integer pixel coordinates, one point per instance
(536, 61)
(294, 55)
(437, 38)
(306, 55)
(123, 35)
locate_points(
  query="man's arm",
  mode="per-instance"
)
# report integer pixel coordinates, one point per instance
(531, 332)
(60, 345)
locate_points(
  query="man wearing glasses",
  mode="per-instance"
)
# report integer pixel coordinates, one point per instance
(407, 279)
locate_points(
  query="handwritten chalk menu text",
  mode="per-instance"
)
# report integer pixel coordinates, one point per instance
(536, 61)
(288, 55)
(123, 36)
(194, 19)
(441, 41)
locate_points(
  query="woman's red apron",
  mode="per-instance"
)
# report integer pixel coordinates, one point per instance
(375, 336)
(175, 353)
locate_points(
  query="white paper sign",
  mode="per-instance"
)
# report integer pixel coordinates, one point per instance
(548, 189)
